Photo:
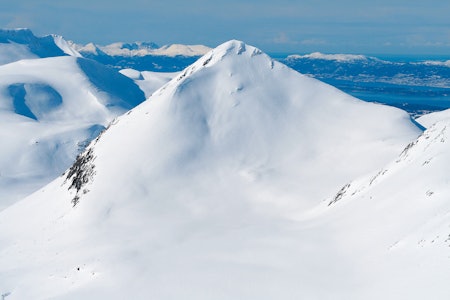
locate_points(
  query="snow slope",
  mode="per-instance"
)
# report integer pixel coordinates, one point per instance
(50, 109)
(17, 44)
(403, 212)
(213, 188)
(430, 119)
(149, 81)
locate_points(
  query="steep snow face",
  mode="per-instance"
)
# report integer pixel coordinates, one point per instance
(17, 44)
(209, 189)
(65, 46)
(50, 109)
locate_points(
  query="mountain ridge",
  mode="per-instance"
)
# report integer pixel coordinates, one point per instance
(16, 44)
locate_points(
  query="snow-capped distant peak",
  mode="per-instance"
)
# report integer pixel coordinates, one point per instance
(336, 57)
(65, 46)
(183, 50)
(17, 44)
(88, 48)
(17, 34)
(436, 63)
(143, 49)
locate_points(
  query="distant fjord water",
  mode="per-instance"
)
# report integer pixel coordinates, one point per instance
(418, 84)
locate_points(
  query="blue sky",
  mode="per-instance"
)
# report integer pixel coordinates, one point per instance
(346, 26)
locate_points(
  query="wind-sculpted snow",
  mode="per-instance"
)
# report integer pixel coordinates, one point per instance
(44, 99)
(127, 94)
(214, 188)
(49, 110)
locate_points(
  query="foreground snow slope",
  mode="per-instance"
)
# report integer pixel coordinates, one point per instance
(403, 210)
(49, 110)
(213, 188)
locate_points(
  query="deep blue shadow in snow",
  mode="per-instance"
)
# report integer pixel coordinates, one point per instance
(126, 93)
(34, 100)
(17, 91)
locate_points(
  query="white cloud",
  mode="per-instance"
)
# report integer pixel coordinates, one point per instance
(312, 42)
(282, 38)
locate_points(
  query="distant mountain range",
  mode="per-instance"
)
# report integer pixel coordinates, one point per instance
(418, 87)
(142, 49)
(143, 56)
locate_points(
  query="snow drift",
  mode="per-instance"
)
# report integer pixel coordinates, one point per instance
(215, 187)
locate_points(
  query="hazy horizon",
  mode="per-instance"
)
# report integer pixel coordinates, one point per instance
(382, 27)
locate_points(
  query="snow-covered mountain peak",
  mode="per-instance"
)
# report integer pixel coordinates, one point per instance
(236, 47)
(17, 44)
(236, 104)
(65, 46)
(210, 174)
(237, 53)
(16, 34)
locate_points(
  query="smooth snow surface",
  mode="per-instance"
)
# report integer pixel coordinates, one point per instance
(50, 109)
(217, 187)
(148, 81)
(430, 119)
(403, 209)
